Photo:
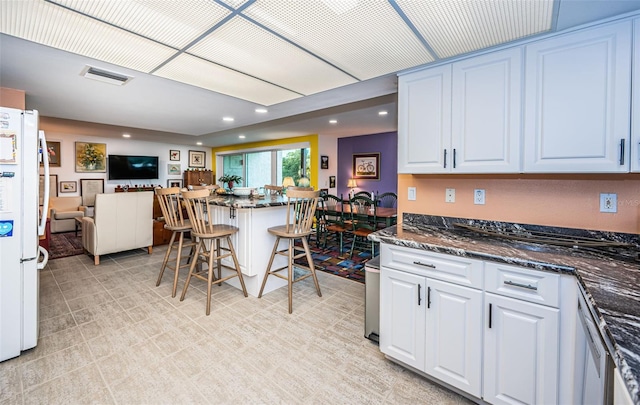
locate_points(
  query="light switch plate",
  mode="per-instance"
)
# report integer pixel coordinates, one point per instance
(411, 194)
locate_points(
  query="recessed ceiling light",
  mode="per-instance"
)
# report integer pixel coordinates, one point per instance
(382, 113)
(241, 136)
(199, 143)
(126, 136)
(228, 119)
(333, 121)
(261, 110)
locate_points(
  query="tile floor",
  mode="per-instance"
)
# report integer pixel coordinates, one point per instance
(108, 335)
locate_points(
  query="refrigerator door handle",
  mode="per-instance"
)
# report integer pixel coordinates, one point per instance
(45, 198)
(45, 258)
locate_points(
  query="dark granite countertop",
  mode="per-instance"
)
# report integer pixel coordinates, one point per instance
(229, 200)
(610, 279)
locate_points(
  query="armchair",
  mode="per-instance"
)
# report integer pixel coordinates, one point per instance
(121, 221)
(63, 211)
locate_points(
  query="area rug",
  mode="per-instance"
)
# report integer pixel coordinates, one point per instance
(65, 244)
(330, 260)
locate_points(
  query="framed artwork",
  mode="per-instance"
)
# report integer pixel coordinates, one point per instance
(68, 186)
(324, 162)
(332, 181)
(53, 149)
(174, 155)
(53, 187)
(174, 168)
(88, 190)
(91, 158)
(196, 158)
(174, 183)
(366, 166)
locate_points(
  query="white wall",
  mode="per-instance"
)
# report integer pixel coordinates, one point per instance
(119, 147)
(328, 146)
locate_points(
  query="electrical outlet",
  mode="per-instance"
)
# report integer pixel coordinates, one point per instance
(478, 196)
(608, 202)
(411, 194)
(450, 195)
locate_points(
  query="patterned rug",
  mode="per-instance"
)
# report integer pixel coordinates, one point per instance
(331, 261)
(64, 244)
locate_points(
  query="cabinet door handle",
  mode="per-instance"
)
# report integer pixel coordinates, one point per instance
(490, 316)
(432, 266)
(454, 158)
(621, 151)
(527, 286)
(419, 299)
(428, 297)
(445, 158)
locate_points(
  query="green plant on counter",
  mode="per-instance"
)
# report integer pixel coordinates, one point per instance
(230, 179)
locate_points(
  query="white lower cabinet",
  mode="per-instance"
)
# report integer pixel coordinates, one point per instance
(521, 352)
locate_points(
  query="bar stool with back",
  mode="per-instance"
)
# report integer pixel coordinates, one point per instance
(209, 236)
(170, 203)
(301, 207)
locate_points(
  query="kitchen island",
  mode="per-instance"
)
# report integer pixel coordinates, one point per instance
(253, 244)
(610, 278)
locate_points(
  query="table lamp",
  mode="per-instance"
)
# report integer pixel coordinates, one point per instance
(287, 182)
(351, 184)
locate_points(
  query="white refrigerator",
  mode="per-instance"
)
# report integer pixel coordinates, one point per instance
(21, 146)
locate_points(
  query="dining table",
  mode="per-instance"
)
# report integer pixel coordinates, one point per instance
(388, 214)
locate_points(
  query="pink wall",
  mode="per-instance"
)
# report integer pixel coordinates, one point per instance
(571, 201)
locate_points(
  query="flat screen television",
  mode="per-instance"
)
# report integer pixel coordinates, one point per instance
(124, 167)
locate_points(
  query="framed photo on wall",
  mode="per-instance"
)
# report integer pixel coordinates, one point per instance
(53, 187)
(174, 155)
(88, 190)
(197, 158)
(53, 149)
(332, 181)
(366, 166)
(324, 162)
(174, 168)
(91, 157)
(68, 186)
(174, 183)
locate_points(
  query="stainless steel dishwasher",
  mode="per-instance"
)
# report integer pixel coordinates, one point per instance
(372, 299)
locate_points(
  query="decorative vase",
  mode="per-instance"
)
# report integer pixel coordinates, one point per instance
(230, 185)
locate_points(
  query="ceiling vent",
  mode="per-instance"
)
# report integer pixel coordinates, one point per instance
(105, 76)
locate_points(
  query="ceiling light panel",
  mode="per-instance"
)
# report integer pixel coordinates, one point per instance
(453, 27)
(366, 38)
(57, 27)
(243, 46)
(173, 23)
(197, 72)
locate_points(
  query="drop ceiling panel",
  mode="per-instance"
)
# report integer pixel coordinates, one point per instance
(242, 46)
(453, 27)
(366, 38)
(173, 23)
(60, 28)
(197, 72)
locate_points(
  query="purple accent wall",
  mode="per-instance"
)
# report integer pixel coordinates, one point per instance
(386, 144)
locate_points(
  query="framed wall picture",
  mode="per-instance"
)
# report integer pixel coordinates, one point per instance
(88, 190)
(174, 155)
(324, 162)
(53, 149)
(53, 187)
(174, 168)
(332, 181)
(174, 183)
(68, 186)
(366, 166)
(91, 157)
(196, 158)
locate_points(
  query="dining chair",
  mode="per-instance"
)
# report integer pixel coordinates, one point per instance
(209, 235)
(331, 220)
(271, 190)
(387, 200)
(363, 222)
(170, 203)
(362, 194)
(301, 208)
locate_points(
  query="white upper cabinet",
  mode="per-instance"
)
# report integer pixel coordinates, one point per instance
(424, 120)
(577, 102)
(635, 104)
(486, 113)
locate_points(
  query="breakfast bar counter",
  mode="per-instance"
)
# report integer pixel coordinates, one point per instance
(609, 277)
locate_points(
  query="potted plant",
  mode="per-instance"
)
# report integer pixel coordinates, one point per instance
(230, 179)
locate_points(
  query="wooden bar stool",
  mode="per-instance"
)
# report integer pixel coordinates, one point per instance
(170, 203)
(301, 208)
(209, 235)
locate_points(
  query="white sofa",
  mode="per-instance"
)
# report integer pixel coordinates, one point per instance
(63, 211)
(121, 221)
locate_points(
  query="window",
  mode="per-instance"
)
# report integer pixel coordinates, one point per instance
(268, 167)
